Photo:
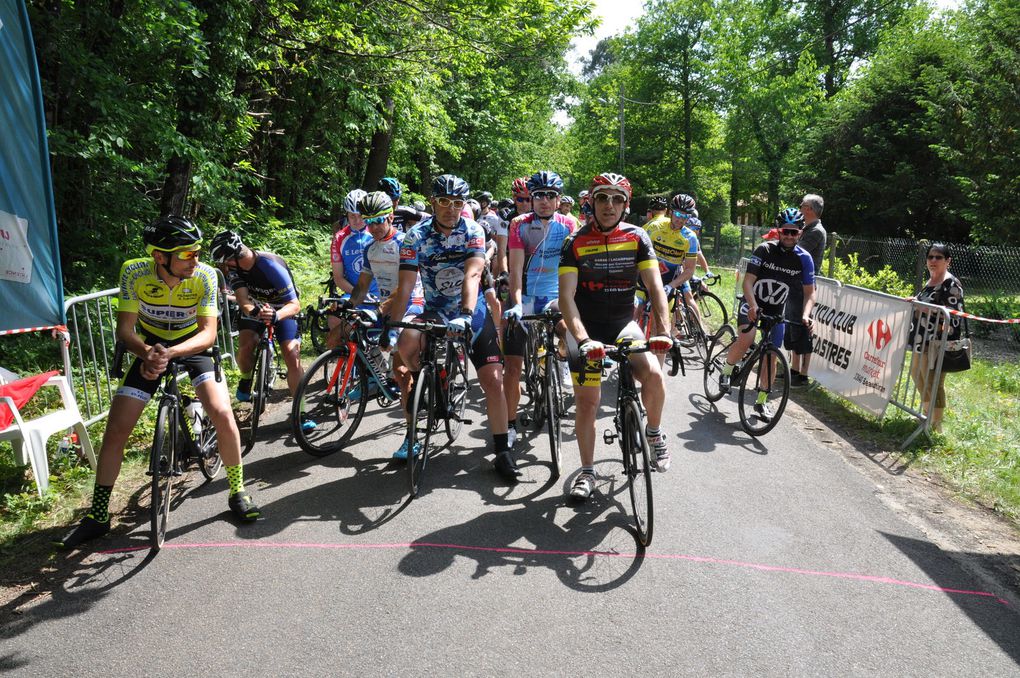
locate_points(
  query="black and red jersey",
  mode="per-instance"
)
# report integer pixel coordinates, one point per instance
(607, 267)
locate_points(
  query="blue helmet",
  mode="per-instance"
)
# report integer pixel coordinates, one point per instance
(545, 180)
(391, 187)
(450, 186)
(791, 216)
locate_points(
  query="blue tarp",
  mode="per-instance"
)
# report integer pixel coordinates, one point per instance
(31, 293)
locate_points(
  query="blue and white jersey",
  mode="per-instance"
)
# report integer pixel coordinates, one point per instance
(269, 280)
(382, 260)
(541, 244)
(440, 260)
(348, 248)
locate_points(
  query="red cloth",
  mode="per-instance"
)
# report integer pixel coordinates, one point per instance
(771, 235)
(21, 391)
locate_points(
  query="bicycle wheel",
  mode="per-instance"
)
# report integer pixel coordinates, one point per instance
(419, 428)
(457, 389)
(760, 377)
(209, 460)
(162, 463)
(713, 312)
(698, 339)
(259, 396)
(714, 360)
(318, 329)
(328, 403)
(637, 465)
(553, 399)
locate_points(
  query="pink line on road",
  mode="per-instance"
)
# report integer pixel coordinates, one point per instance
(545, 552)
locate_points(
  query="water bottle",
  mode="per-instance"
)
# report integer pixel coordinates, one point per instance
(195, 414)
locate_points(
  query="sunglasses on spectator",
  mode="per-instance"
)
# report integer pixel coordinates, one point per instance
(616, 198)
(449, 202)
(789, 231)
(372, 221)
(935, 257)
(545, 195)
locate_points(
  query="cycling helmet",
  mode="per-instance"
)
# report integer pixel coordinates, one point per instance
(544, 180)
(566, 200)
(352, 200)
(226, 245)
(520, 187)
(505, 203)
(170, 233)
(683, 202)
(375, 204)
(476, 209)
(484, 196)
(582, 195)
(791, 216)
(658, 202)
(450, 186)
(611, 181)
(694, 224)
(391, 187)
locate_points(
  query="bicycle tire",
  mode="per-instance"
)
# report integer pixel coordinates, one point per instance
(209, 460)
(419, 429)
(698, 339)
(714, 359)
(553, 419)
(336, 415)
(258, 400)
(637, 464)
(751, 384)
(162, 462)
(318, 330)
(713, 312)
(456, 390)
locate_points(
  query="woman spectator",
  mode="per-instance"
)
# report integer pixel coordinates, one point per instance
(941, 289)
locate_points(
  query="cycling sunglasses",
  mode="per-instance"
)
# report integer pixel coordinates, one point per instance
(447, 202)
(616, 198)
(371, 221)
(789, 231)
(681, 215)
(185, 255)
(545, 195)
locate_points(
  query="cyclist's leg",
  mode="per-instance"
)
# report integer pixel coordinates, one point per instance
(216, 402)
(485, 355)
(290, 345)
(692, 305)
(743, 340)
(515, 342)
(586, 378)
(247, 338)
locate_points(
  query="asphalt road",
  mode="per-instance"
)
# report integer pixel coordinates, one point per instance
(770, 557)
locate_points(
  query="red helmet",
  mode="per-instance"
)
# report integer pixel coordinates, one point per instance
(610, 181)
(520, 187)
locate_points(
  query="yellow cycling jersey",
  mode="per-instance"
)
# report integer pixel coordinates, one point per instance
(671, 245)
(164, 312)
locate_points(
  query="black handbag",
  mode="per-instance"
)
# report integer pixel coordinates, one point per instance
(957, 355)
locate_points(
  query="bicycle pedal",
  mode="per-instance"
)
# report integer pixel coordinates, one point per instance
(609, 437)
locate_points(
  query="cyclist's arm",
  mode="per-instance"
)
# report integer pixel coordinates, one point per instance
(516, 275)
(703, 262)
(360, 291)
(126, 333)
(339, 279)
(752, 305)
(657, 295)
(684, 272)
(809, 303)
(499, 262)
(198, 342)
(246, 303)
(472, 278)
(288, 310)
(568, 286)
(406, 280)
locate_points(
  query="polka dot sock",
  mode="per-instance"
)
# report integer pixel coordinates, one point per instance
(100, 510)
(235, 477)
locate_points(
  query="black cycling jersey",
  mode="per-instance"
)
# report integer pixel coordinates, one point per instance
(779, 273)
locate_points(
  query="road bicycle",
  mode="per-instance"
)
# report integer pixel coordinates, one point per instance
(316, 318)
(544, 382)
(675, 301)
(440, 394)
(710, 307)
(184, 434)
(629, 430)
(336, 389)
(268, 368)
(763, 370)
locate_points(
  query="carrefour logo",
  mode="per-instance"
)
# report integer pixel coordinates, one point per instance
(880, 333)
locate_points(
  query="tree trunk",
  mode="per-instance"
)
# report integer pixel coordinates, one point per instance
(379, 155)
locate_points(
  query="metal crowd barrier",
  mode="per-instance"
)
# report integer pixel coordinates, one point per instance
(92, 324)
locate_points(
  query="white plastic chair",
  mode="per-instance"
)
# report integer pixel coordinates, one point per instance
(29, 437)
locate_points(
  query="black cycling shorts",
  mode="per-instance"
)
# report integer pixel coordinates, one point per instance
(285, 329)
(798, 339)
(484, 348)
(606, 333)
(200, 368)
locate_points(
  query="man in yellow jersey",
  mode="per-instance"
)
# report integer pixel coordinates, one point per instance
(167, 310)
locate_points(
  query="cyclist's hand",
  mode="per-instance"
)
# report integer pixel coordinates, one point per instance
(267, 314)
(345, 304)
(458, 326)
(660, 344)
(513, 314)
(154, 362)
(807, 322)
(752, 313)
(592, 350)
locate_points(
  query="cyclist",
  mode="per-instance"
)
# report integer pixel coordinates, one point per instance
(599, 268)
(521, 205)
(449, 253)
(566, 205)
(535, 240)
(171, 298)
(676, 247)
(585, 208)
(656, 211)
(266, 293)
(775, 270)
(404, 216)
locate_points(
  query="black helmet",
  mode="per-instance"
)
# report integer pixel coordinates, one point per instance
(545, 180)
(375, 204)
(683, 202)
(484, 196)
(448, 185)
(170, 233)
(226, 245)
(657, 202)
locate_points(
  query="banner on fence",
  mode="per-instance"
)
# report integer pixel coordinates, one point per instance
(859, 340)
(30, 281)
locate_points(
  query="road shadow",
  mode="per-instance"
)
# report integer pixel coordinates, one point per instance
(593, 550)
(711, 429)
(952, 570)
